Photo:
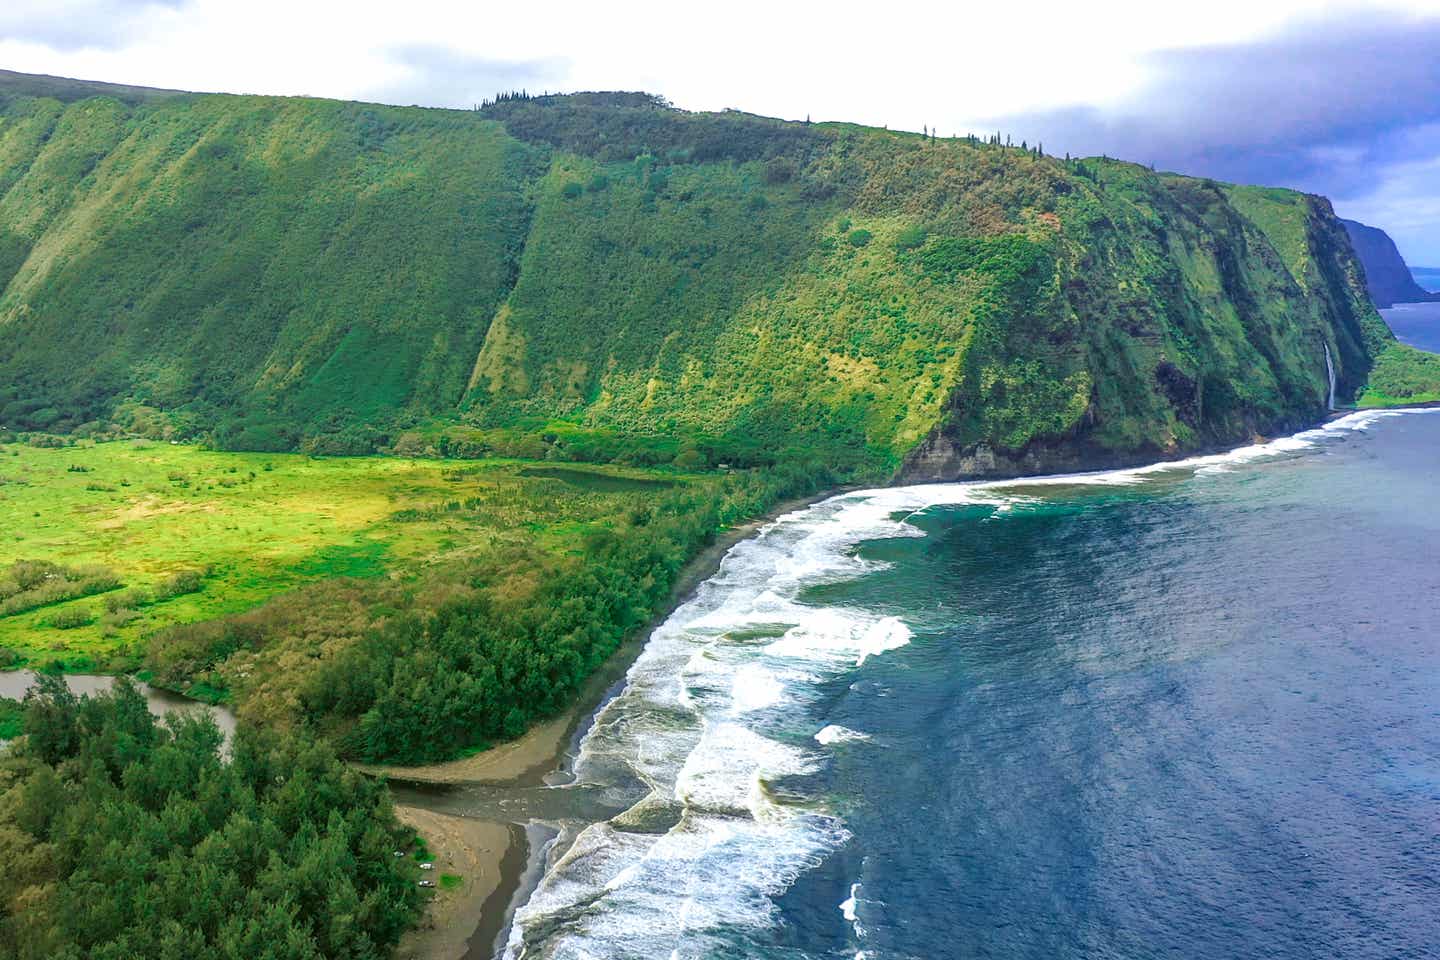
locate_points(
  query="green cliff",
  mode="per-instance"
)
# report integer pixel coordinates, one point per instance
(604, 277)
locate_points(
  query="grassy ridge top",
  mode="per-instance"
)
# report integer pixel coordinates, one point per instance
(67, 90)
(601, 276)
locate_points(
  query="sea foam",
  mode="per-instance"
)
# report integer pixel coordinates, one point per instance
(695, 864)
(834, 733)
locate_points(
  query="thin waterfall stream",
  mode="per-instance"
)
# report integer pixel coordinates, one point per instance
(1330, 374)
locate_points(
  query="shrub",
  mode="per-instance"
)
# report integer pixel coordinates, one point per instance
(129, 600)
(859, 238)
(12, 716)
(910, 238)
(690, 459)
(779, 170)
(353, 441)
(178, 584)
(571, 190)
(71, 617)
(28, 584)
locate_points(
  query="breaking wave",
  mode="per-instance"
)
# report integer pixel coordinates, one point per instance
(708, 745)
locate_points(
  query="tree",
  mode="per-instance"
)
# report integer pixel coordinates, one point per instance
(282, 852)
(51, 718)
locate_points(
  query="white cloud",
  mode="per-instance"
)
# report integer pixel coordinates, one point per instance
(943, 64)
(946, 65)
(1406, 204)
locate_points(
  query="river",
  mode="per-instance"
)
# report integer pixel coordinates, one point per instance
(14, 683)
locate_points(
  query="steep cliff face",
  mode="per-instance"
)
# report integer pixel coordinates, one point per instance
(1386, 274)
(263, 267)
(602, 265)
(1198, 316)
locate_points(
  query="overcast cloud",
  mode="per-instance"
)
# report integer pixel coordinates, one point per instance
(68, 25)
(1348, 107)
(1342, 101)
(444, 77)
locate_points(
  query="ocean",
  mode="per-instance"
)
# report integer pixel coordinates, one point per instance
(1189, 710)
(1417, 324)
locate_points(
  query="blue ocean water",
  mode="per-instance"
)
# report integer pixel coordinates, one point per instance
(1417, 324)
(1178, 712)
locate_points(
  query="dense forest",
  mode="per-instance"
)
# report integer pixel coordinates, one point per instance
(125, 837)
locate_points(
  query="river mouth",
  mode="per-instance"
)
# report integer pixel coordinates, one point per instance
(917, 721)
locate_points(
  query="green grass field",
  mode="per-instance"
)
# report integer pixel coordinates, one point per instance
(1402, 376)
(255, 525)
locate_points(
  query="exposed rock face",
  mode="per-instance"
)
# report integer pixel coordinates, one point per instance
(940, 460)
(1387, 277)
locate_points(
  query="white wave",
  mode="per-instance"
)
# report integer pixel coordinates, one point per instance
(691, 725)
(850, 910)
(708, 849)
(834, 733)
(754, 688)
(889, 634)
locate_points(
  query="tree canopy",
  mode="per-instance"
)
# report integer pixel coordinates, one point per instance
(124, 836)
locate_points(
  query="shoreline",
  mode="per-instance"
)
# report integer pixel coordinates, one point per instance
(545, 751)
(1417, 405)
(533, 760)
(496, 856)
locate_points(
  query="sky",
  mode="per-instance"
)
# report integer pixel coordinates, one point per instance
(1339, 99)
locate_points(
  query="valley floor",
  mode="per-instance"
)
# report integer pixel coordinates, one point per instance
(235, 529)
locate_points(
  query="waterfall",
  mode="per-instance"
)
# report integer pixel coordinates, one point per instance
(1330, 373)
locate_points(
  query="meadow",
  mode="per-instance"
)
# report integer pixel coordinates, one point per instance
(187, 534)
(1402, 376)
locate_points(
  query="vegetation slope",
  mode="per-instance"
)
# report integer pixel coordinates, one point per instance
(712, 311)
(601, 276)
(752, 308)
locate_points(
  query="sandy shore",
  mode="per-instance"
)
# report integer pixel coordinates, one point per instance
(487, 855)
(469, 849)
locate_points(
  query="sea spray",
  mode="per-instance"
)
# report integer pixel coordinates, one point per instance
(834, 733)
(696, 743)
